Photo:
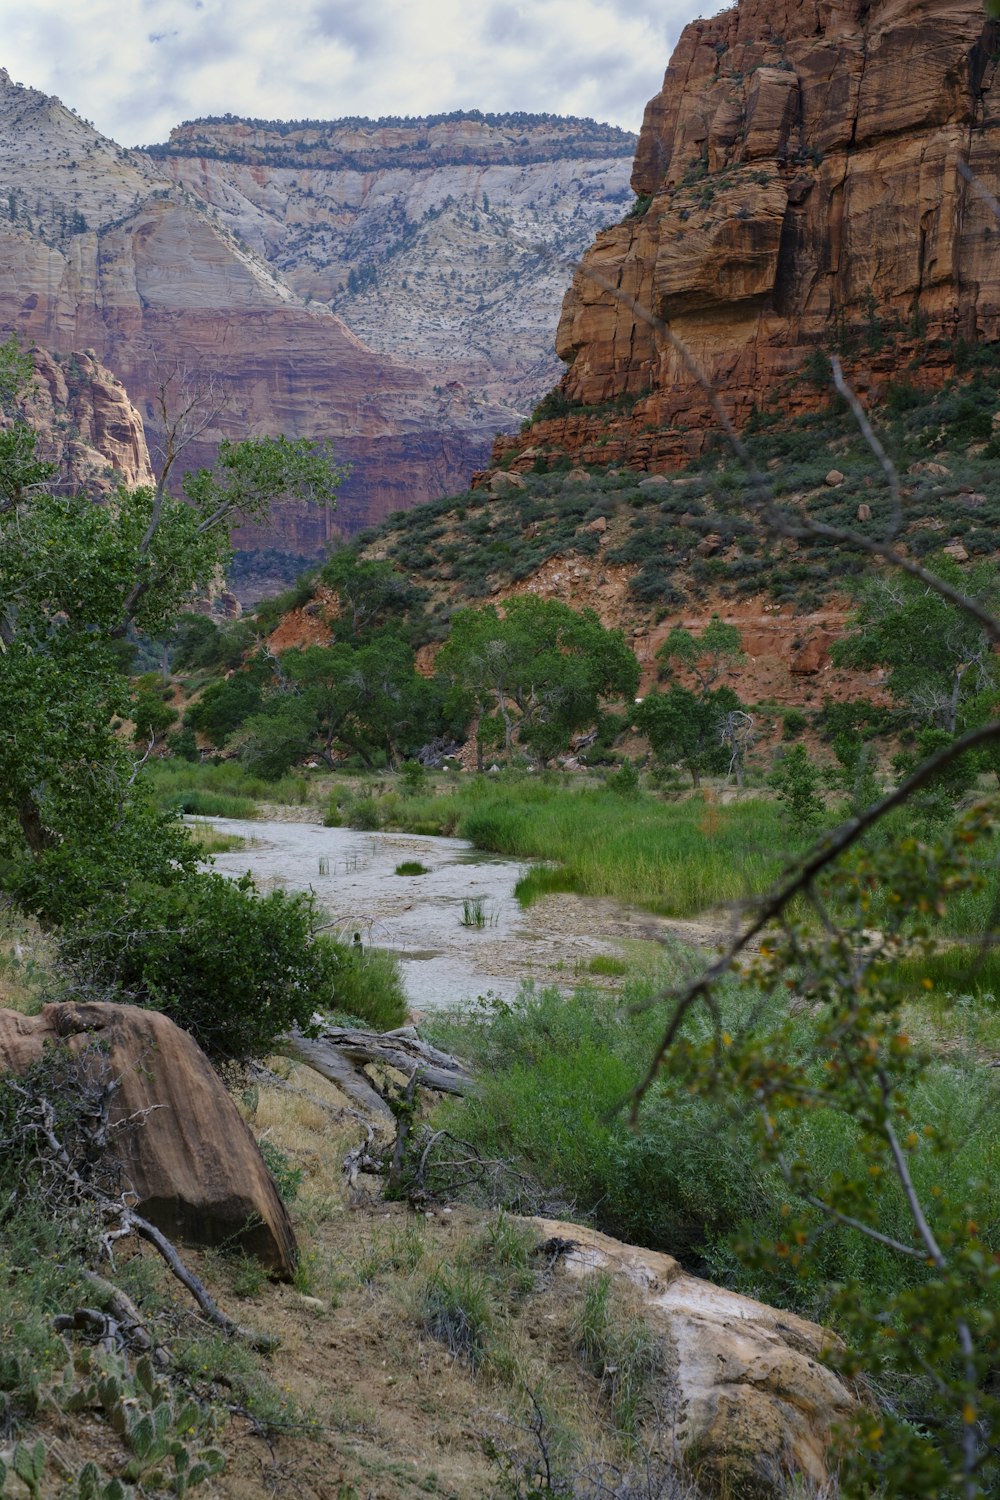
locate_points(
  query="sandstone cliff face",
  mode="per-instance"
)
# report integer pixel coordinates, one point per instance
(99, 251)
(443, 243)
(805, 171)
(86, 424)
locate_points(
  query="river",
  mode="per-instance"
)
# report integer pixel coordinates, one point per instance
(444, 962)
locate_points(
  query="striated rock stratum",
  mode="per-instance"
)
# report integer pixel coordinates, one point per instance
(443, 241)
(218, 265)
(86, 424)
(814, 174)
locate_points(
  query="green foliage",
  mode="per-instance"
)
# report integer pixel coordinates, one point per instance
(225, 704)
(75, 577)
(625, 781)
(287, 1178)
(704, 657)
(542, 670)
(919, 1305)
(361, 699)
(793, 722)
(685, 729)
(940, 793)
(373, 596)
(234, 968)
(555, 1071)
(939, 659)
(796, 783)
(152, 716)
(368, 985)
(413, 778)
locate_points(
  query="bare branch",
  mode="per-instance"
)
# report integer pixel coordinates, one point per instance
(816, 861)
(887, 465)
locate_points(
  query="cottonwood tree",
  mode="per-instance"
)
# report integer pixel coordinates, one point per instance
(704, 657)
(688, 729)
(940, 662)
(541, 671)
(77, 833)
(337, 700)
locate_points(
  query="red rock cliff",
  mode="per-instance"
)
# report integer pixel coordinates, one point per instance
(811, 168)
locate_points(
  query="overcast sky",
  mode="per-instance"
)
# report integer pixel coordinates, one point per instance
(137, 67)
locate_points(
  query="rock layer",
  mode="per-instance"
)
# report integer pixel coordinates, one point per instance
(191, 1162)
(100, 251)
(440, 241)
(755, 1402)
(86, 424)
(813, 175)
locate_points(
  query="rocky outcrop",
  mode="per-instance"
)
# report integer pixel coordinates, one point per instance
(86, 424)
(755, 1403)
(191, 1162)
(440, 241)
(811, 176)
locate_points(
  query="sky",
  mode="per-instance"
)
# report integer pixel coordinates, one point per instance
(137, 67)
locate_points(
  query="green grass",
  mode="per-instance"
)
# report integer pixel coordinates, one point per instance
(604, 965)
(677, 858)
(411, 867)
(953, 973)
(223, 789)
(555, 1072)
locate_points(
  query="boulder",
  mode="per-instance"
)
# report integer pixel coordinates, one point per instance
(192, 1163)
(755, 1402)
(834, 478)
(813, 655)
(502, 480)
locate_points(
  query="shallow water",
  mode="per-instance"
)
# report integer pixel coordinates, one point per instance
(419, 917)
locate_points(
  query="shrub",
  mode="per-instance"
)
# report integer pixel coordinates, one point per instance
(368, 985)
(796, 782)
(234, 968)
(793, 722)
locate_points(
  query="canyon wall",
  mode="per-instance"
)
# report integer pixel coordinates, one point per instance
(100, 251)
(393, 288)
(814, 174)
(86, 425)
(444, 242)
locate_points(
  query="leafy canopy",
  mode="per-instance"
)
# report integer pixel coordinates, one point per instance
(542, 671)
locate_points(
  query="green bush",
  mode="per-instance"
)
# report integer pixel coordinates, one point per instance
(368, 985)
(234, 968)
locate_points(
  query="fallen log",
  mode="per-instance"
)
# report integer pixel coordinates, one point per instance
(341, 1053)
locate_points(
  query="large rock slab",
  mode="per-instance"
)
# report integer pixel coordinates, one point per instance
(756, 1404)
(194, 1166)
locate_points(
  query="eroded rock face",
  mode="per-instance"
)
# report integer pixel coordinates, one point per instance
(194, 1166)
(804, 166)
(755, 1402)
(86, 424)
(423, 235)
(99, 250)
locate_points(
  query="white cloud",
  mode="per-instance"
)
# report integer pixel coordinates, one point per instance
(138, 67)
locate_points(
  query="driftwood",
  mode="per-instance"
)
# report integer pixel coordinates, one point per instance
(341, 1053)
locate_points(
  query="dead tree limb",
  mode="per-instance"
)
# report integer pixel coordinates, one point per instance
(341, 1053)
